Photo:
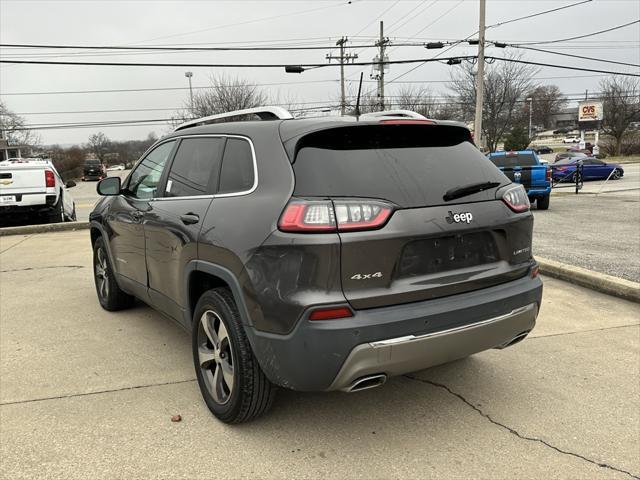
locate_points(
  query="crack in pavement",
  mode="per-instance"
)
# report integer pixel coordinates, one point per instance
(16, 244)
(518, 434)
(26, 269)
(99, 392)
(533, 337)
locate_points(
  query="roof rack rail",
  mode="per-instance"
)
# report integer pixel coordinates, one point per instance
(393, 114)
(265, 113)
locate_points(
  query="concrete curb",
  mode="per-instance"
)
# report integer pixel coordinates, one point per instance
(600, 282)
(46, 228)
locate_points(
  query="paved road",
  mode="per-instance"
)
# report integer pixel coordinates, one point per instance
(85, 195)
(89, 394)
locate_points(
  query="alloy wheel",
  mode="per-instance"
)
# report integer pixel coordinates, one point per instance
(102, 279)
(215, 357)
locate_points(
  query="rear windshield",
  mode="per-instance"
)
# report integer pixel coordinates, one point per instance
(410, 165)
(92, 163)
(514, 160)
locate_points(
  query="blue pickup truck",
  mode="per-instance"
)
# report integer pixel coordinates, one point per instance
(525, 167)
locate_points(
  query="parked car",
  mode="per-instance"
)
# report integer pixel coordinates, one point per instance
(93, 170)
(569, 154)
(562, 130)
(32, 188)
(570, 139)
(542, 149)
(526, 168)
(114, 168)
(318, 254)
(592, 169)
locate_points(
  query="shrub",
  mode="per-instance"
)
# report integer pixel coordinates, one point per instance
(517, 139)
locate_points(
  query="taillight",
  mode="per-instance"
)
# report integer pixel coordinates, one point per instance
(516, 199)
(331, 313)
(334, 215)
(49, 179)
(535, 271)
(548, 174)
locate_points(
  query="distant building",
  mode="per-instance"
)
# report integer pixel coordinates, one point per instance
(567, 117)
(8, 151)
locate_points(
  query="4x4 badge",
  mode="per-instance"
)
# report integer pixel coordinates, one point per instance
(465, 217)
(365, 276)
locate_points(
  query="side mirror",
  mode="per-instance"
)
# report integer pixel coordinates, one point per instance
(109, 186)
(70, 184)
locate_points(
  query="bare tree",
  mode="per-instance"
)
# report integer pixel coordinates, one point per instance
(13, 128)
(225, 95)
(505, 86)
(99, 145)
(417, 99)
(547, 101)
(621, 104)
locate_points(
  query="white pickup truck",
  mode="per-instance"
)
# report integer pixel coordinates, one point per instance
(31, 187)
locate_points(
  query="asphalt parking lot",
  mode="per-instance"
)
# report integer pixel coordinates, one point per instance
(86, 196)
(599, 232)
(89, 394)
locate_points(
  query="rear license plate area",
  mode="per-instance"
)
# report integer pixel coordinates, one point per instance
(443, 254)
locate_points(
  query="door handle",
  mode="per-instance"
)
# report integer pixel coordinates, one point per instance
(189, 218)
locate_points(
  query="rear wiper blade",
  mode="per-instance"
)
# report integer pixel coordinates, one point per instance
(458, 192)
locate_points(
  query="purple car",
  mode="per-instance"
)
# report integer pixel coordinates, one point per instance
(592, 169)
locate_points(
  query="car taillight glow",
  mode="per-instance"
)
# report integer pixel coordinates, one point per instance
(331, 313)
(516, 199)
(334, 215)
(49, 179)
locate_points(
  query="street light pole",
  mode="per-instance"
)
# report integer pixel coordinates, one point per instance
(189, 75)
(530, 100)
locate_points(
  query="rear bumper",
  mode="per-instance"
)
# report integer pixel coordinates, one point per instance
(397, 356)
(329, 355)
(539, 192)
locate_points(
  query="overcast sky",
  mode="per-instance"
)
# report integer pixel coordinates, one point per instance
(267, 22)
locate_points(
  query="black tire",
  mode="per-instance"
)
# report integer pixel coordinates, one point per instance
(111, 297)
(574, 176)
(56, 214)
(616, 174)
(251, 394)
(542, 203)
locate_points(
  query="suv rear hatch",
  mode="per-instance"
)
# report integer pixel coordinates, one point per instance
(429, 247)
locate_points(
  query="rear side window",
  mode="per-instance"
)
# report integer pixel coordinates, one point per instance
(195, 167)
(410, 165)
(514, 160)
(237, 174)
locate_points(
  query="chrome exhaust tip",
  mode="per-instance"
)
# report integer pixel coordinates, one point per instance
(514, 340)
(366, 382)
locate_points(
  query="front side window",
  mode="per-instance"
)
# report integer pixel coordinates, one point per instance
(237, 173)
(143, 182)
(195, 167)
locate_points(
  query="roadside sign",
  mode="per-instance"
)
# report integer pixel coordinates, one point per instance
(590, 111)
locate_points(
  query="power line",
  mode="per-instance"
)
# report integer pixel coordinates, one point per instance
(573, 56)
(119, 90)
(566, 67)
(168, 49)
(537, 14)
(581, 36)
(210, 65)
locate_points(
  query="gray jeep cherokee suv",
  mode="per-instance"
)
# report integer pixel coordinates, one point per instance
(318, 254)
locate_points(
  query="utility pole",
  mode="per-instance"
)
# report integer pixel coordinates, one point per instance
(477, 124)
(342, 58)
(379, 65)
